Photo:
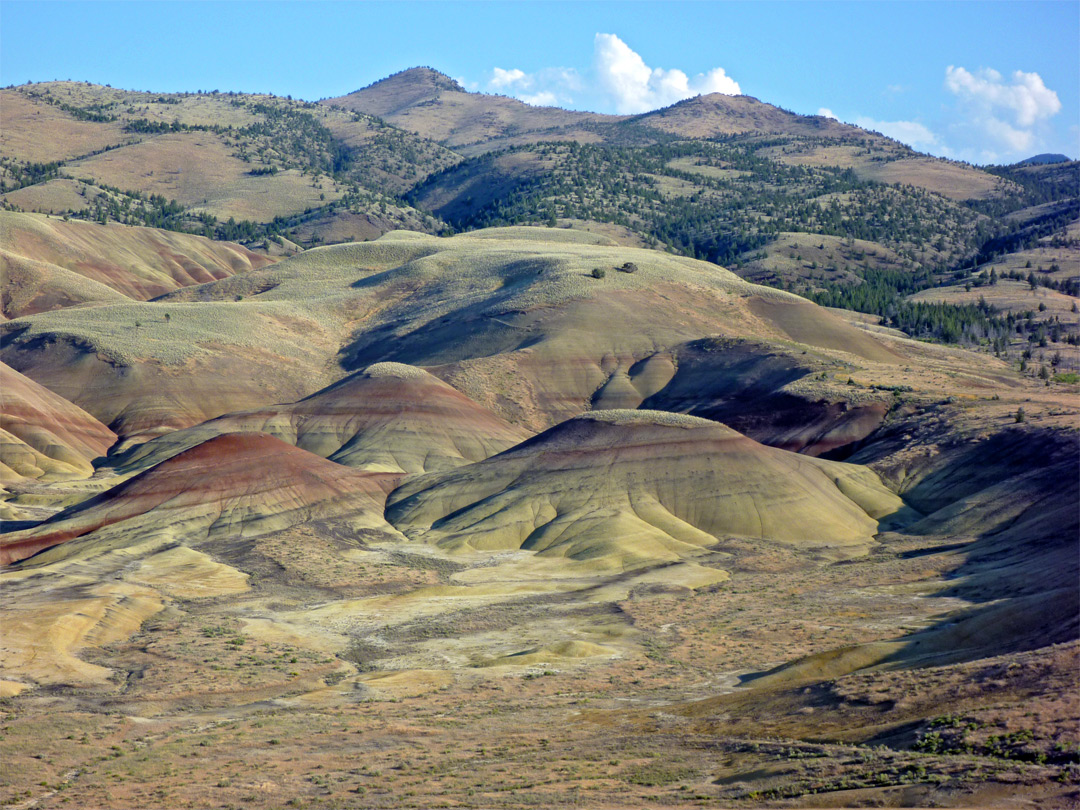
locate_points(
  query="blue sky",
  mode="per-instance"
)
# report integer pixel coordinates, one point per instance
(977, 81)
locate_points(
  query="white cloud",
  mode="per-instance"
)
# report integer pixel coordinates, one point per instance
(634, 87)
(619, 80)
(912, 133)
(1018, 140)
(1027, 98)
(1010, 113)
(545, 98)
(827, 113)
(507, 78)
(545, 88)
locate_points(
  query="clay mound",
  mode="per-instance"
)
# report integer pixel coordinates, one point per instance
(239, 483)
(44, 436)
(30, 286)
(390, 417)
(49, 264)
(624, 488)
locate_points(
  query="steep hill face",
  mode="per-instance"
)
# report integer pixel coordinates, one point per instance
(234, 484)
(42, 435)
(513, 318)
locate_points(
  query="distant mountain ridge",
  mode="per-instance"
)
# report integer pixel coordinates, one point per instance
(1044, 158)
(729, 179)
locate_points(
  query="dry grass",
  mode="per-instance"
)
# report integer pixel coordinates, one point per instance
(54, 197)
(953, 180)
(26, 121)
(198, 170)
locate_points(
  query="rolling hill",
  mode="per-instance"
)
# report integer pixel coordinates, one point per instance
(422, 447)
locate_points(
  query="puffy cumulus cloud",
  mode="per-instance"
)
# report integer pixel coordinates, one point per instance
(912, 133)
(634, 87)
(1010, 113)
(619, 80)
(1026, 97)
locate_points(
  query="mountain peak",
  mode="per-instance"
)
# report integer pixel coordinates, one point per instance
(402, 90)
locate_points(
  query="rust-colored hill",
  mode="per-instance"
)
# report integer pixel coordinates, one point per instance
(42, 435)
(235, 484)
(387, 418)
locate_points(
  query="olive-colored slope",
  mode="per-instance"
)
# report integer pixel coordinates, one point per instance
(239, 484)
(48, 263)
(511, 317)
(42, 435)
(623, 488)
(387, 418)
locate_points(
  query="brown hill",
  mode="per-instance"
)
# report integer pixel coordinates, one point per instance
(49, 263)
(717, 114)
(230, 485)
(387, 418)
(625, 488)
(246, 156)
(819, 141)
(44, 436)
(433, 105)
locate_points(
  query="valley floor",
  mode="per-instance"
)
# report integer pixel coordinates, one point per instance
(212, 716)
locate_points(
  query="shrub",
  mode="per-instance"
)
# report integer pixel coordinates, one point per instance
(629, 267)
(599, 272)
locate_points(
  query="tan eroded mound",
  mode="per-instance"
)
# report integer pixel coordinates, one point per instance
(623, 488)
(44, 436)
(388, 418)
(239, 483)
(46, 262)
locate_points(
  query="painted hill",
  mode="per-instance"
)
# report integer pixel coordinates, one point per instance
(624, 488)
(49, 264)
(231, 485)
(42, 435)
(513, 318)
(387, 418)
